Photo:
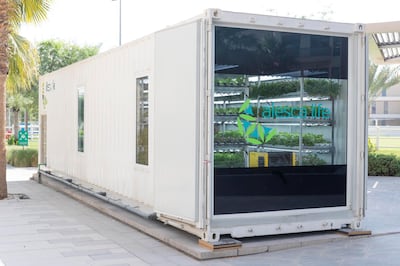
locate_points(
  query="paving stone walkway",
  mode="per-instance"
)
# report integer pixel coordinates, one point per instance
(50, 228)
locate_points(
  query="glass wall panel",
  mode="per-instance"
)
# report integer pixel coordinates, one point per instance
(280, 120)
(142, 121)
(81, 119)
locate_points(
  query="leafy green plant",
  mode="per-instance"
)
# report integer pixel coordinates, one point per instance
(231, 81)
(286, 139)
(228, 137)
(228, 160)
(219, 111)
(273, 89)
(232, 111)
(321, 87)
(292, 139)
(312, 159)
(313, 87)
(310, 139)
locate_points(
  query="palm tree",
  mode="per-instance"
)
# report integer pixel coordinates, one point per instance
(15, 63)
(381, 78)
(4, 32)
(15, 103)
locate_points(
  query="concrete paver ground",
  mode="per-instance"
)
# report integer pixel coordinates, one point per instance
(53, 229)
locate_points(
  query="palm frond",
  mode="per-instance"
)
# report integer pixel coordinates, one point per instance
(382, 78)
(28, 11)
(23, 62)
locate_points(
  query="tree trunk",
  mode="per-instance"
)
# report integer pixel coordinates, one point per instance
(4, 30)
(16, 123)
(26, 118)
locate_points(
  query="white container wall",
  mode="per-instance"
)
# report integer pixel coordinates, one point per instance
(108, 82)
(229, 123)
(176, 121)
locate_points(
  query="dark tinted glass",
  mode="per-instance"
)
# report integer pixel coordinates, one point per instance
(280, 121)
(260, 52)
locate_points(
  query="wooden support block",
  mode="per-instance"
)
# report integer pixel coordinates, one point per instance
(226, 243)
(355, 232)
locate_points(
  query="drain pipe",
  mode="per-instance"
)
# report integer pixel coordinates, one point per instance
(100, 195)
(39, 177)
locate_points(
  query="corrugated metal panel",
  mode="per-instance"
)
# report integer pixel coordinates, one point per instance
(109, 82)
(177, 121)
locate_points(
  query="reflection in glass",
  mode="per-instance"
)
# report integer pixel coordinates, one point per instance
(280, 120)
(142, 121)
(81, 119)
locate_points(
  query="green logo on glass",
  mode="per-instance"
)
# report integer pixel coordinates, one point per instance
(253, 132)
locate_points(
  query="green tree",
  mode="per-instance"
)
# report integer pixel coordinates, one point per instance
(14, 62)
(381, 78)
(55, 54)
(17, 102)
(33, 108)
(32, 104)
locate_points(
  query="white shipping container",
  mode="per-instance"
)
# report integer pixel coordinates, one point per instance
(226, 124)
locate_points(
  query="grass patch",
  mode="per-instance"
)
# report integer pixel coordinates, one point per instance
(386, 142)
(32, 144)
(387, 145)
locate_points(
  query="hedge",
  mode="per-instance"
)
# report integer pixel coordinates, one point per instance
(383, 165)
(23, 158)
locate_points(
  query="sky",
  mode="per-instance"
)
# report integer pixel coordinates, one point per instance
(96, 22)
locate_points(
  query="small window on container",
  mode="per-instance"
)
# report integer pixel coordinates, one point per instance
(81, 119)
(142, 121)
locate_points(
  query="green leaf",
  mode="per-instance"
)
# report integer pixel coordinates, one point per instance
(251, 129)
(270, 135)
(240, 126)
(261, 132)
(247, 117)
(253, 141)
(244, 106)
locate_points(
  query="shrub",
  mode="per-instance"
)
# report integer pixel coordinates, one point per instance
(12, 140)
(383, 165)
(371, 146)
(23, 158)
